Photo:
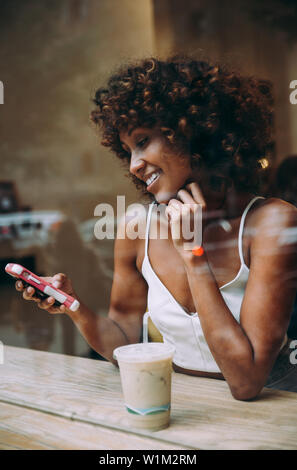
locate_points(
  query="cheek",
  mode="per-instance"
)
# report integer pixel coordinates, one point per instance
(156, 152)
(181, 168)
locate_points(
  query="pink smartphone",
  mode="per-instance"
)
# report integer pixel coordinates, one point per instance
(42, 288)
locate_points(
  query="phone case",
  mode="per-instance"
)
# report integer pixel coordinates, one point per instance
(43, 289)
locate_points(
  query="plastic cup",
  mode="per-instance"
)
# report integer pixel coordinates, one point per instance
(145, 370)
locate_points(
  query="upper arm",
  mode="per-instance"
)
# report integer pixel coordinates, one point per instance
(271, 288)
(129, 289)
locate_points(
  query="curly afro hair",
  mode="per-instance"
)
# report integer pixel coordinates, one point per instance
(224, 119)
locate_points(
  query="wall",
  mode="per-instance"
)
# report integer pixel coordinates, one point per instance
(53, 56)
(227, 31)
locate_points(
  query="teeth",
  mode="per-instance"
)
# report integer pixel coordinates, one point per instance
(152, 178)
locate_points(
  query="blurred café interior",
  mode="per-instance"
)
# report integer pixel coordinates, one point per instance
(53, 55)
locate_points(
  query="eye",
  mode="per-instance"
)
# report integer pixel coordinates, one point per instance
(142, 142)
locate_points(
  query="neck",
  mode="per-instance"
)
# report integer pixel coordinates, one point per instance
(228, 205)
(236, 202)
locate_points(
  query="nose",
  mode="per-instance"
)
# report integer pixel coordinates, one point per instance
(136, 164)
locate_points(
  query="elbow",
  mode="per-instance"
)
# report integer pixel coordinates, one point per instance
(114, 362)
(246, 393)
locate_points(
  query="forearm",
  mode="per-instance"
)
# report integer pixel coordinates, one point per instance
(226, 339)
(101, 333)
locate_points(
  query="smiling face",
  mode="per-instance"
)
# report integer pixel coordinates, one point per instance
(154, 161)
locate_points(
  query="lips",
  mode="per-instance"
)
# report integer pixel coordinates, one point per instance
(152, 179)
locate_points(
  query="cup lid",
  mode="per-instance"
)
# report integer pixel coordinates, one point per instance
(144, 352)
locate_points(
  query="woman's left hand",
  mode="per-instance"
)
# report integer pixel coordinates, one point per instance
(185, 218)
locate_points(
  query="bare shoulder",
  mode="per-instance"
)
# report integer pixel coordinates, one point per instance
(274, 225)
(274, 212)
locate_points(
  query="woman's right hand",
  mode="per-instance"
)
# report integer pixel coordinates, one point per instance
(60, 281)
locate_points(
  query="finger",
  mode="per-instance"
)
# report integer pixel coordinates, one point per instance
(168, 213)
(53, 309)
(28, 293)
(175, 204)
(178, 215)
(188, 205)
(58, 280)
(174, 216)
(46, 303)
(197, 193)
(59, 277)
(46, 278)
(61, 309)
(185, 196)
(19, 286)
(173, 211)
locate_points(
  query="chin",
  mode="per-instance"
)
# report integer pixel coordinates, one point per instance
(163, 197)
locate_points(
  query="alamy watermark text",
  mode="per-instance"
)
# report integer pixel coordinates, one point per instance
(293, 94)
(1, 93)
(1, 353)
(189, 228)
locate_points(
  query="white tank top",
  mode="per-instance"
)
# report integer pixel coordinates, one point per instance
(179, 328)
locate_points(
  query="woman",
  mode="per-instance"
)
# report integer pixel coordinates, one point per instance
(192, 135)
(284, 186)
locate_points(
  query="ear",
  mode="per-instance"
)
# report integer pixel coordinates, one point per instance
(168, 133)
(218, 183)
(196, 161)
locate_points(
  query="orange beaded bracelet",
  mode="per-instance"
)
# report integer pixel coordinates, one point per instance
(197, 251)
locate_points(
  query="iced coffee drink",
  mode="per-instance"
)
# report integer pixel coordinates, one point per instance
(145, 370)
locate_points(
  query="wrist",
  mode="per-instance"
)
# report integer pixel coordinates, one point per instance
(79, 313)
(192, 261)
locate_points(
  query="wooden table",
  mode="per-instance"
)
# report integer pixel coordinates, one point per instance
(53, 401)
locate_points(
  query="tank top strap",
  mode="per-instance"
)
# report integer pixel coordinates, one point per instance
(147, 229)
(240, 233)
